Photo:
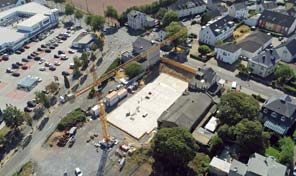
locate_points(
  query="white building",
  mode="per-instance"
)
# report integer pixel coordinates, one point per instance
(7, 4)
(188, 7)
(228, 53)
(287, 50)
(219, 167)
(35, 18)
(238, 10)
(138, 20)
(219, 29)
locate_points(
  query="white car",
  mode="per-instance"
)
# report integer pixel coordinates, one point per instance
(57, 63)
(78, 172)
(42, 69)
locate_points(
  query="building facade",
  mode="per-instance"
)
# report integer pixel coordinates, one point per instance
(188, 7)
(228, 53)
(287, 50)
(136, 20)
(238, 10)
(7, 4)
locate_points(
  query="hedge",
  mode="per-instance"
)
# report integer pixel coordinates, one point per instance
(71, 119)
(290, 89)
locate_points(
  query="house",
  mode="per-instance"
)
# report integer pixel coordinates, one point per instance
(228, 53)
(187, 112)
(136, 20)
(125, 56)
(7, 4)
(238, 10)
(254, 43)
(264, 64)
(278, 114)
(206, 77)
(141, 45)
(212, 4)
(219, 167)
(219, 29)
(257, 165)
(287, 50)
(253, 20)
(277, 22)
(188, 7)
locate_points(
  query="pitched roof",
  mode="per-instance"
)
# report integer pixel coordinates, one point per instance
(291, 46)
(141, 44)
(221, 25)
(266, 58)
(254, 41)
(229, 47)
(186, 4)
(238, 168)
(283, 105)
(134, 13)
(277, 18)
(262, 165)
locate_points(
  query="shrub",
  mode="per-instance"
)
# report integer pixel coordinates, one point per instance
(71, 119)
(290, 89)
(114, 64)
(204, 49)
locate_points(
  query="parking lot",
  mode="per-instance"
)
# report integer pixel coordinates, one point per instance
(9, 94)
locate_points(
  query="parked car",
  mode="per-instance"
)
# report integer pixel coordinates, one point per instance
(25, 60)
(27, 109)
(65, 73)
(18, 52)
(14, 66)
(31, 104)
(78, 172)
(26, 46)
(21, 49)
(25, 67)
(56, 63)
(42, 69)
(47, 50)
(52, 68)
(71, 52)
(16, 74)
(39, 49)
(43, 46)
(41, 61)
(9, 70)
(5, 57)
(37, 58)
(29, 57)
(61, 52)
(19, 64)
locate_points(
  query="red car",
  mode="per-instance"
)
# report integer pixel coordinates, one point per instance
(24, 67)
(26, 46)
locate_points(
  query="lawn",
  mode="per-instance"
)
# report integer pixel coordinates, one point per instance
(26, 170)
(4, 131)
(270, 151)
(241, 32)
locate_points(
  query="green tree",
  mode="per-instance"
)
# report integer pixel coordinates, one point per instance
(133, 69)
(287, 151)
(42, 98)
(173, 29)
(13, 117)
(236, 106)
(52, 87)
(97, 22)
(216, 145)
(77, 62)
(84, 56)
(66, 82)
(251, 137)
(91, 93)
(161, 12)
(283, 73)
(111, 12)
(85, 60)
(87, 19)
(169, 17)
(92, 56)
(200, 164)
(28, 119)
(204, 49)
(69, 9)
(173, 147)
(78, 14)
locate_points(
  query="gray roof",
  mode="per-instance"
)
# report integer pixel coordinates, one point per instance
(266, 58)
(277, 18)
(134, 13)
(187, 110)
(283, 105)
(237, 168)
(141, 45)
(265, 166)
(221, 25)
(10, 35)
(254, 41)
(291, 46)
(28, 81)
(186, 4)
(238, 4)
(250, 46)
(229, 47)
(4, 3)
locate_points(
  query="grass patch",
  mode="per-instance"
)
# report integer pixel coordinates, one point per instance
(4, 131)
(271, 151)
(241, 31)
(26, 170)
(71, 119)
(114, 64)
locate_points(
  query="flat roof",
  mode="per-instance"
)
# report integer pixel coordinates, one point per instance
(35, 19)
(9, 35)
(31, 7)
(162, 93)
(86, 39)
(212, 124)
(221, 165)
(27, 81)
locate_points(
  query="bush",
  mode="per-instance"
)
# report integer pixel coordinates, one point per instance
(133, 69)
(204, 49)
(71, 119)
(200, 58)
(114, 64)
(290, 89)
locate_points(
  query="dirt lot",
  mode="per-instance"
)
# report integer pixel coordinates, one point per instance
(98, 6)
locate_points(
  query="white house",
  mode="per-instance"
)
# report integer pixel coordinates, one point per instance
(264, 64)
(252, 21)
(136, 20)
(7, 4)
(238, 10)
(188, 7)
(228, 53)
(219, 29)
(287, 50)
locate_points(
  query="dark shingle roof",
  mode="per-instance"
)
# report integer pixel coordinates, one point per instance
(254, 41)
(283, 105)
(4, 3)
(186, 4)
(221, 24)
(277, 18)
(267, 58)
(291, 46)
(229, 47)
(141, 44)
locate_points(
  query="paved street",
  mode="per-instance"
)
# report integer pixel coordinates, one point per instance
(247, 86)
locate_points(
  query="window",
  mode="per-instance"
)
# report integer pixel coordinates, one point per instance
(265, 111)
(283, 118)
(273, 114)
